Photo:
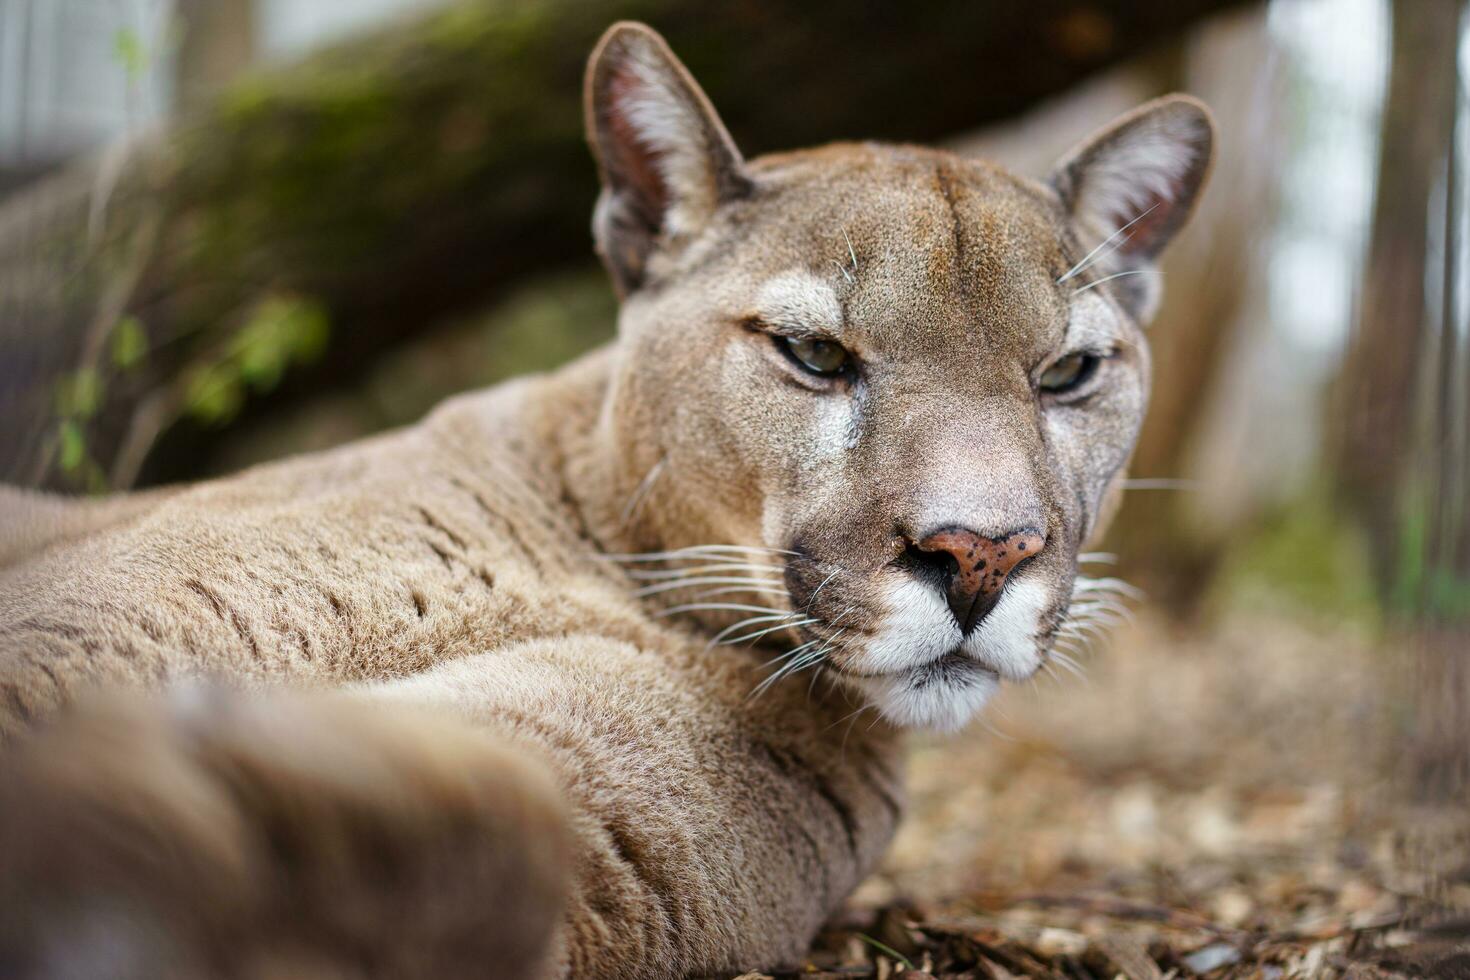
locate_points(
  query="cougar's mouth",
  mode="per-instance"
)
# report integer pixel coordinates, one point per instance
(950, 667)
(947, 667)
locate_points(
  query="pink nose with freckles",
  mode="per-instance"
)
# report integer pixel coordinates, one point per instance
(978, 567)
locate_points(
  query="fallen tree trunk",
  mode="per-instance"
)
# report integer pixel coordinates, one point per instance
(384, 184)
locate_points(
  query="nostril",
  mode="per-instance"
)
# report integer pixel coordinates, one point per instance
(939, 567)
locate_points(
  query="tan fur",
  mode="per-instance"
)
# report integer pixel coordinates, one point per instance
(513, 728)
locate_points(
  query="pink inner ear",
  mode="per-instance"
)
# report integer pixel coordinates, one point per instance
(632, 162)
(1150, 223)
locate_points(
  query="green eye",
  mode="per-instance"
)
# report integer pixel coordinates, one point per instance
(821, 357)
(1069, 373)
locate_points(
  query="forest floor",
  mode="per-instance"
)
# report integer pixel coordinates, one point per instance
(1220, 803)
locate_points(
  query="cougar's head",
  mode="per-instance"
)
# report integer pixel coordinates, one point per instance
(905, 383)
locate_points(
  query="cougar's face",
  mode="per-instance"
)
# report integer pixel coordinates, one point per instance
(896, 376)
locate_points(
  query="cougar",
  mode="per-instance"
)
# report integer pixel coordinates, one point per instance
(604, 672)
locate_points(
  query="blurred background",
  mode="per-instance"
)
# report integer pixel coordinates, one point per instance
(232, 230)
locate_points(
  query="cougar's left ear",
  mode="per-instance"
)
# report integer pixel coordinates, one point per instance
(665, 158)
(1131, 187)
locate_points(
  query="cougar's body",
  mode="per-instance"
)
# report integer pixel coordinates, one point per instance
(454, 566)
(604, 672)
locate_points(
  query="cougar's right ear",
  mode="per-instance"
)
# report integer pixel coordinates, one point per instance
(665, 158)
(1132, 186)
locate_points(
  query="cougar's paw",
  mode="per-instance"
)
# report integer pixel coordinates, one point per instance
(218, 835)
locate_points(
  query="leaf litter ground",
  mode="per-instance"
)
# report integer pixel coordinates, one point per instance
(1219, 805)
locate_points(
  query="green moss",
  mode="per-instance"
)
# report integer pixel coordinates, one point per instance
(280, 331)
(128, 344)
(1306, 556)
(539, 327)
(1423, 586)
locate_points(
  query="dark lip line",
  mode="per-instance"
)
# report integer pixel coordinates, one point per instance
(951, 656)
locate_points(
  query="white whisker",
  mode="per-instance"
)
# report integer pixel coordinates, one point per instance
(705, 552)
(790, 653)
(818, 589)
(795, 665)
(733, 589)
(1085, 586)
(747, 622)
(659, 587)
(641, 491)
(1117, 275)
(721, 568)
(1069, 665)
(770, 629)
(713, 607)
(1160, 485)
(1088, 258)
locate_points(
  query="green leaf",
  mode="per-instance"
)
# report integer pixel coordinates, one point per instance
(130, 51)
(79, 395)
(311, 333)
(129, 343)
(281, 331)
(887, 951)
(260, 353)
(213, 394)
(73, 446)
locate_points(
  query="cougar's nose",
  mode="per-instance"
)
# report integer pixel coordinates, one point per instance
(975, 567)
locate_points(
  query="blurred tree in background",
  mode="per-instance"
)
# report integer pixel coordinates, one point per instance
(309, 218)
(1404, 453)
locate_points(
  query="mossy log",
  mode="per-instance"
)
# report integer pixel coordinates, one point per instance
(359, 197)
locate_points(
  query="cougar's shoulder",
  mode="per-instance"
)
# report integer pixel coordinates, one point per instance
(372, 560)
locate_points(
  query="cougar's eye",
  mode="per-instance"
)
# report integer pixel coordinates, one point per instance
(822, 357)
(1069, 373)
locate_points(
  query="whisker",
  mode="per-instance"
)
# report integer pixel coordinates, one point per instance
(794, 666)
(1087, 259)
(1088, 586)
(659, 587)
(1160, 485)
(720, 567)
(732, 589)
(706, 552)
(1112, 601)
(851, 714)
(641, 491)
(1117, 275)
(770, 629)
(1069, 665)
(1097, 558)
(818, 589)
(713, 607)
(790, 653)
(749, 621)
(1082, 628)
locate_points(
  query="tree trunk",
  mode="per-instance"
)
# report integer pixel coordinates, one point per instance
(1403, 394)
(397, 179)
(217, 42)
(1380, 381)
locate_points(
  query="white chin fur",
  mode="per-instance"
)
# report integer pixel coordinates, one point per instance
(919, 630)
(940, 706)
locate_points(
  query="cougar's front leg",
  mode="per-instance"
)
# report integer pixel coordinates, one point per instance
(714, 833)
(218, 835)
